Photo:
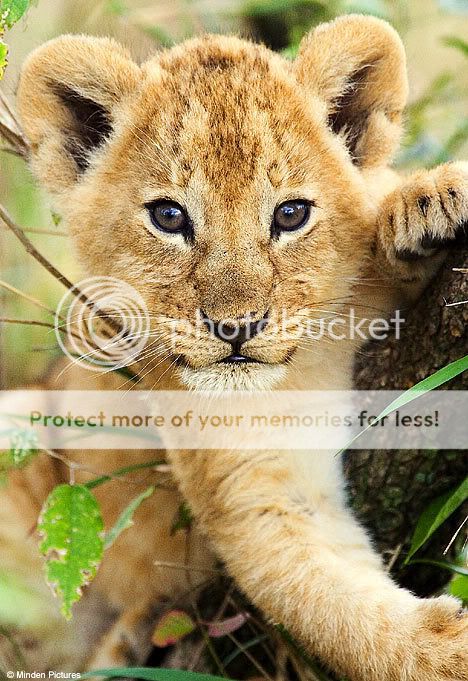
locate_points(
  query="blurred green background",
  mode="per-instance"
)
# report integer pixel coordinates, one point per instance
(435, 33)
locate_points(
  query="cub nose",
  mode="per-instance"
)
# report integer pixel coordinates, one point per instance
(235, 333)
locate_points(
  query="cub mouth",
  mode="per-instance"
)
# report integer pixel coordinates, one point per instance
(238, 358)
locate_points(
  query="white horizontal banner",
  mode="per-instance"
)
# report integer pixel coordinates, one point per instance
(284, 420)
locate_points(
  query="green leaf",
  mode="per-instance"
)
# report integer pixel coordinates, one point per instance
(444, 564)
(123, 471)
(435, 514)
(183, 519)
(125, 519)
(23, 447)
(457, 43)
(171, 628)
(147, 674)
(458, 587)
(3, 57)
(426, 385)
(11, 11)
(71, 526)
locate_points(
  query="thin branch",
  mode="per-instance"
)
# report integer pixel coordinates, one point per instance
(250, 657)
(32, 250)
(77, 466)
(34, 230)
(393, 557)
(36, 322)
(281, 661)
(11, 131)
(25, 296)
(12, 152)
(183, 566)
(206, 641)
(29, 322)
(447, 549)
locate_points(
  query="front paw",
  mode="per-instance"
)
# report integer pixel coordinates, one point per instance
(428, 213)
(439, 645)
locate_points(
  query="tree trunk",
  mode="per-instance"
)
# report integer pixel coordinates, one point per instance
(390, 489)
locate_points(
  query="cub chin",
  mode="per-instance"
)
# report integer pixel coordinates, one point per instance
(248, 199)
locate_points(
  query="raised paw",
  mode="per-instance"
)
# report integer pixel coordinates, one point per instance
(428, 213)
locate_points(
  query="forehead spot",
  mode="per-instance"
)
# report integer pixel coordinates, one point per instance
(216, 62)
(275, 175)
(219, 108)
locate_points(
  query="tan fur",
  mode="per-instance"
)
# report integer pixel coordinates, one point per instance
(230, 130)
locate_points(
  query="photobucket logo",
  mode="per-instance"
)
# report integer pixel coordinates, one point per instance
(352, 326)
(284, 326)
(102, 322)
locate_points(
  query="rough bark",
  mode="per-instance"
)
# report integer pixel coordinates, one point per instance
(390, 489)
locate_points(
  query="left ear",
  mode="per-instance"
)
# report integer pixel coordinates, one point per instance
(356, 65)
(70, 95)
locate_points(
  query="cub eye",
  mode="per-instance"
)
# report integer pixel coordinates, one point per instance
(290, 215)
(169, 216)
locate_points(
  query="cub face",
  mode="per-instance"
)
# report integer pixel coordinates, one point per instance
(223, 182)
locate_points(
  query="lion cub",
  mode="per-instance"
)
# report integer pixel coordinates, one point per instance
(220, 177)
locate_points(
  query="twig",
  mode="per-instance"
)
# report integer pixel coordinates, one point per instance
(36, 322)
(250, 657)
(38, 230)
(393, 557)
(25, 296)
(32, 250)
(206, 642)
(281, 661)
(29, 322)
(11, 131)
(447, 549)
(257, 626)
(304, 673)
(155, 466)
(206, 639)
(183, 566)
(78, 466)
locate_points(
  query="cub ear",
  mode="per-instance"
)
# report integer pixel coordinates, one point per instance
(70, 94)
(356, 65)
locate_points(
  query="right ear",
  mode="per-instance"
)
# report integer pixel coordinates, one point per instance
(356, 65)
(69, 96)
